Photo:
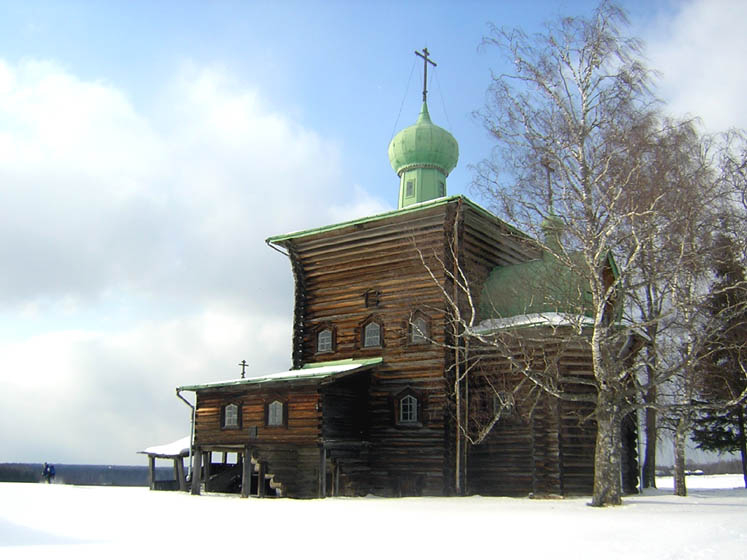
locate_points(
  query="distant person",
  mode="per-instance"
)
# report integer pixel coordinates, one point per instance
(48, 473)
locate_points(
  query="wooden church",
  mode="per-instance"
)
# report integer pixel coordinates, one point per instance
(386, 395)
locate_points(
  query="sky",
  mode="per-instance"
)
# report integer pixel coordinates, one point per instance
(147, 150)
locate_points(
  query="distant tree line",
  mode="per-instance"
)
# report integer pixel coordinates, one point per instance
(84, 475)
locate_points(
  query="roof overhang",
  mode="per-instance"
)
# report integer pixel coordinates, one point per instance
(548, 319)
(285, 238)
(318, 373)
(178, 448)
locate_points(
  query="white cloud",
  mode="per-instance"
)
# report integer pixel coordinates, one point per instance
(136, 251)
(99, 397)
(700, 54)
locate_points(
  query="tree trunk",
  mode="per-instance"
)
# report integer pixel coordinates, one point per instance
(607, 466)
(680, 440)
(649, 461)
(742, 442)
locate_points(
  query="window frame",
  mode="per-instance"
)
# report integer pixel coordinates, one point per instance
(409, 188)
(408, 405)
(319, 333)
(365, 334)
(224, 416)
(411, 329)
(283, 416)
(417, 399)
(372, 298)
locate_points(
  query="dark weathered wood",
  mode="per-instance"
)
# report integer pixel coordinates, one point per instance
(261, 481)
(246, 472)
(152, 472)
(197, 471)
(322, 472)
(180, 476)
(350, 424)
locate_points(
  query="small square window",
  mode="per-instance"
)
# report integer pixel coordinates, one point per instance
(372, 298)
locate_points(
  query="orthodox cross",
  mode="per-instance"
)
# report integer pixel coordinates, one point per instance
(243, 365)
(426, 61)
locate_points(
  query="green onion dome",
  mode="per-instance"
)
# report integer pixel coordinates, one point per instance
(423, 144)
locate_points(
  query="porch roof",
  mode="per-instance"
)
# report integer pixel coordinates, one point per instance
(316, 372)
(178, 448)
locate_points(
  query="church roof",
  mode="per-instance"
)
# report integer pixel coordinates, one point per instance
(318, 372)
(279, 239)
(542, 285)
(538, 287)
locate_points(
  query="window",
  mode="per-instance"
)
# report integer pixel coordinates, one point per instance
(371, 335)
(419, 330)
(441, 188)
(408, 410)
(372, 298)
(410, 188)
(324, 341)
(231, 416)
(275, 414)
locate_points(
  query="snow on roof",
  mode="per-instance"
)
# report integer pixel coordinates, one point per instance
(550, 319)
(308, 372)
(173, 449)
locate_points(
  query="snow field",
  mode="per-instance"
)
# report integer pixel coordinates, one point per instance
(38, 520)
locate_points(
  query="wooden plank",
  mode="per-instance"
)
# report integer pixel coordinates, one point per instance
(197, 472)
(152, 472)
(246, 472)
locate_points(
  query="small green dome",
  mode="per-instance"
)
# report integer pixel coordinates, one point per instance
(423, 145)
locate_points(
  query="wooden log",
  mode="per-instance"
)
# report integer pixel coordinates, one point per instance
(152, 472)
(261, 482)
(322, 472)
(197, 472)
(246, 472)
(180, 476)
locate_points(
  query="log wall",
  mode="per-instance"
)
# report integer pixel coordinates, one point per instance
(374, 271)
(546, 447)
(338, 269)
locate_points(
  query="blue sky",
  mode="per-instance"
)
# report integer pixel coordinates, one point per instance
(147, 149)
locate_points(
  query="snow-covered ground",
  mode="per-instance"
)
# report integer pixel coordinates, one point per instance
(58, 521)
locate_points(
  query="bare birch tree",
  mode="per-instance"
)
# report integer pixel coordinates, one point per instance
(579, 143)
(576, 91)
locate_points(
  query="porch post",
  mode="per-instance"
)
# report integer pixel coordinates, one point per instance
(246, 472)
(208, 460)
(322, 472)
(152, 472)
(197, 472)
(261, 480)
(179, 463)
